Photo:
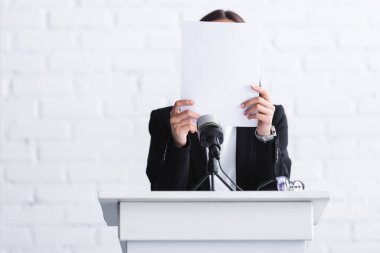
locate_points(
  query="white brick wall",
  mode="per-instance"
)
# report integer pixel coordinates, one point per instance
(80, 77)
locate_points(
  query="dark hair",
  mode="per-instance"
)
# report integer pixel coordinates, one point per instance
(222, 14)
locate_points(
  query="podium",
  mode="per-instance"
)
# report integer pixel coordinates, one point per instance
(205, 222)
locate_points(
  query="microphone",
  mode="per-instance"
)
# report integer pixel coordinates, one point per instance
(210, 134)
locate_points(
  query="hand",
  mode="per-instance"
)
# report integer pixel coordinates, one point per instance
(182, 123)
(260, 108)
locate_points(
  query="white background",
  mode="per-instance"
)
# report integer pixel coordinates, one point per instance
(80, 77)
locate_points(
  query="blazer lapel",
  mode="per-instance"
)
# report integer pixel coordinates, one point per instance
(198, 156)
(244, 152)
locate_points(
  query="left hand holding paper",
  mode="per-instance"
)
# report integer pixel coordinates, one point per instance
(261, 109)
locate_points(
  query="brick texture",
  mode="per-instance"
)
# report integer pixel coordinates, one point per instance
(80, 77)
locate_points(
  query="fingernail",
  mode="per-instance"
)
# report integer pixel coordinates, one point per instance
(242, 105)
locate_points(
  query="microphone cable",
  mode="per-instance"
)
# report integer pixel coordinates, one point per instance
(237, 187)
(262, 185)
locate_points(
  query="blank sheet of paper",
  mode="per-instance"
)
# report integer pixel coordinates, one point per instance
(220, 61)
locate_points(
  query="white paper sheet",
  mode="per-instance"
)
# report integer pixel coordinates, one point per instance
(220, 61)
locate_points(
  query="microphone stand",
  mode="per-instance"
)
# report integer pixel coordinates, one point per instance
(211, 170)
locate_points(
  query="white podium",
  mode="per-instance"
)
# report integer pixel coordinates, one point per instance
(205, 222)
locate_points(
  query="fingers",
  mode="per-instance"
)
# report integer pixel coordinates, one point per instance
(188, 125)
(180, 103)
(259, 108)
(266, 119)
(182, 123)
(257, 100)
(263, 92)
(184, 127)
(187, 114)
(189, 128)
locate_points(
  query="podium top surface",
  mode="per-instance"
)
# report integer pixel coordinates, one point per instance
(209, 196)
(109, 200)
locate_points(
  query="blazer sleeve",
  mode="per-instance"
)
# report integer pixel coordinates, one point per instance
(167, 166)
(272, 159)
(282, 163)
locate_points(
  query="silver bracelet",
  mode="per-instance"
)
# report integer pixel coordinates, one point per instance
(266, 138)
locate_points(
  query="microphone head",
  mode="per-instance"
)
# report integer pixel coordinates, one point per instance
(206, 120)
(210, 132)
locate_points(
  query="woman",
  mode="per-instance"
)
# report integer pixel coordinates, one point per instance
(253, 155)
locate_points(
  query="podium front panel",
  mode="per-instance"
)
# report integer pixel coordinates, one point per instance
(187, 221)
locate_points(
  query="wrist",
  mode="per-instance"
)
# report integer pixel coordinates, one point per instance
(268, 137)
(181, 144)
(264, 131)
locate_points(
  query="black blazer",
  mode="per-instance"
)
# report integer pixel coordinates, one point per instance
(172, 168)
